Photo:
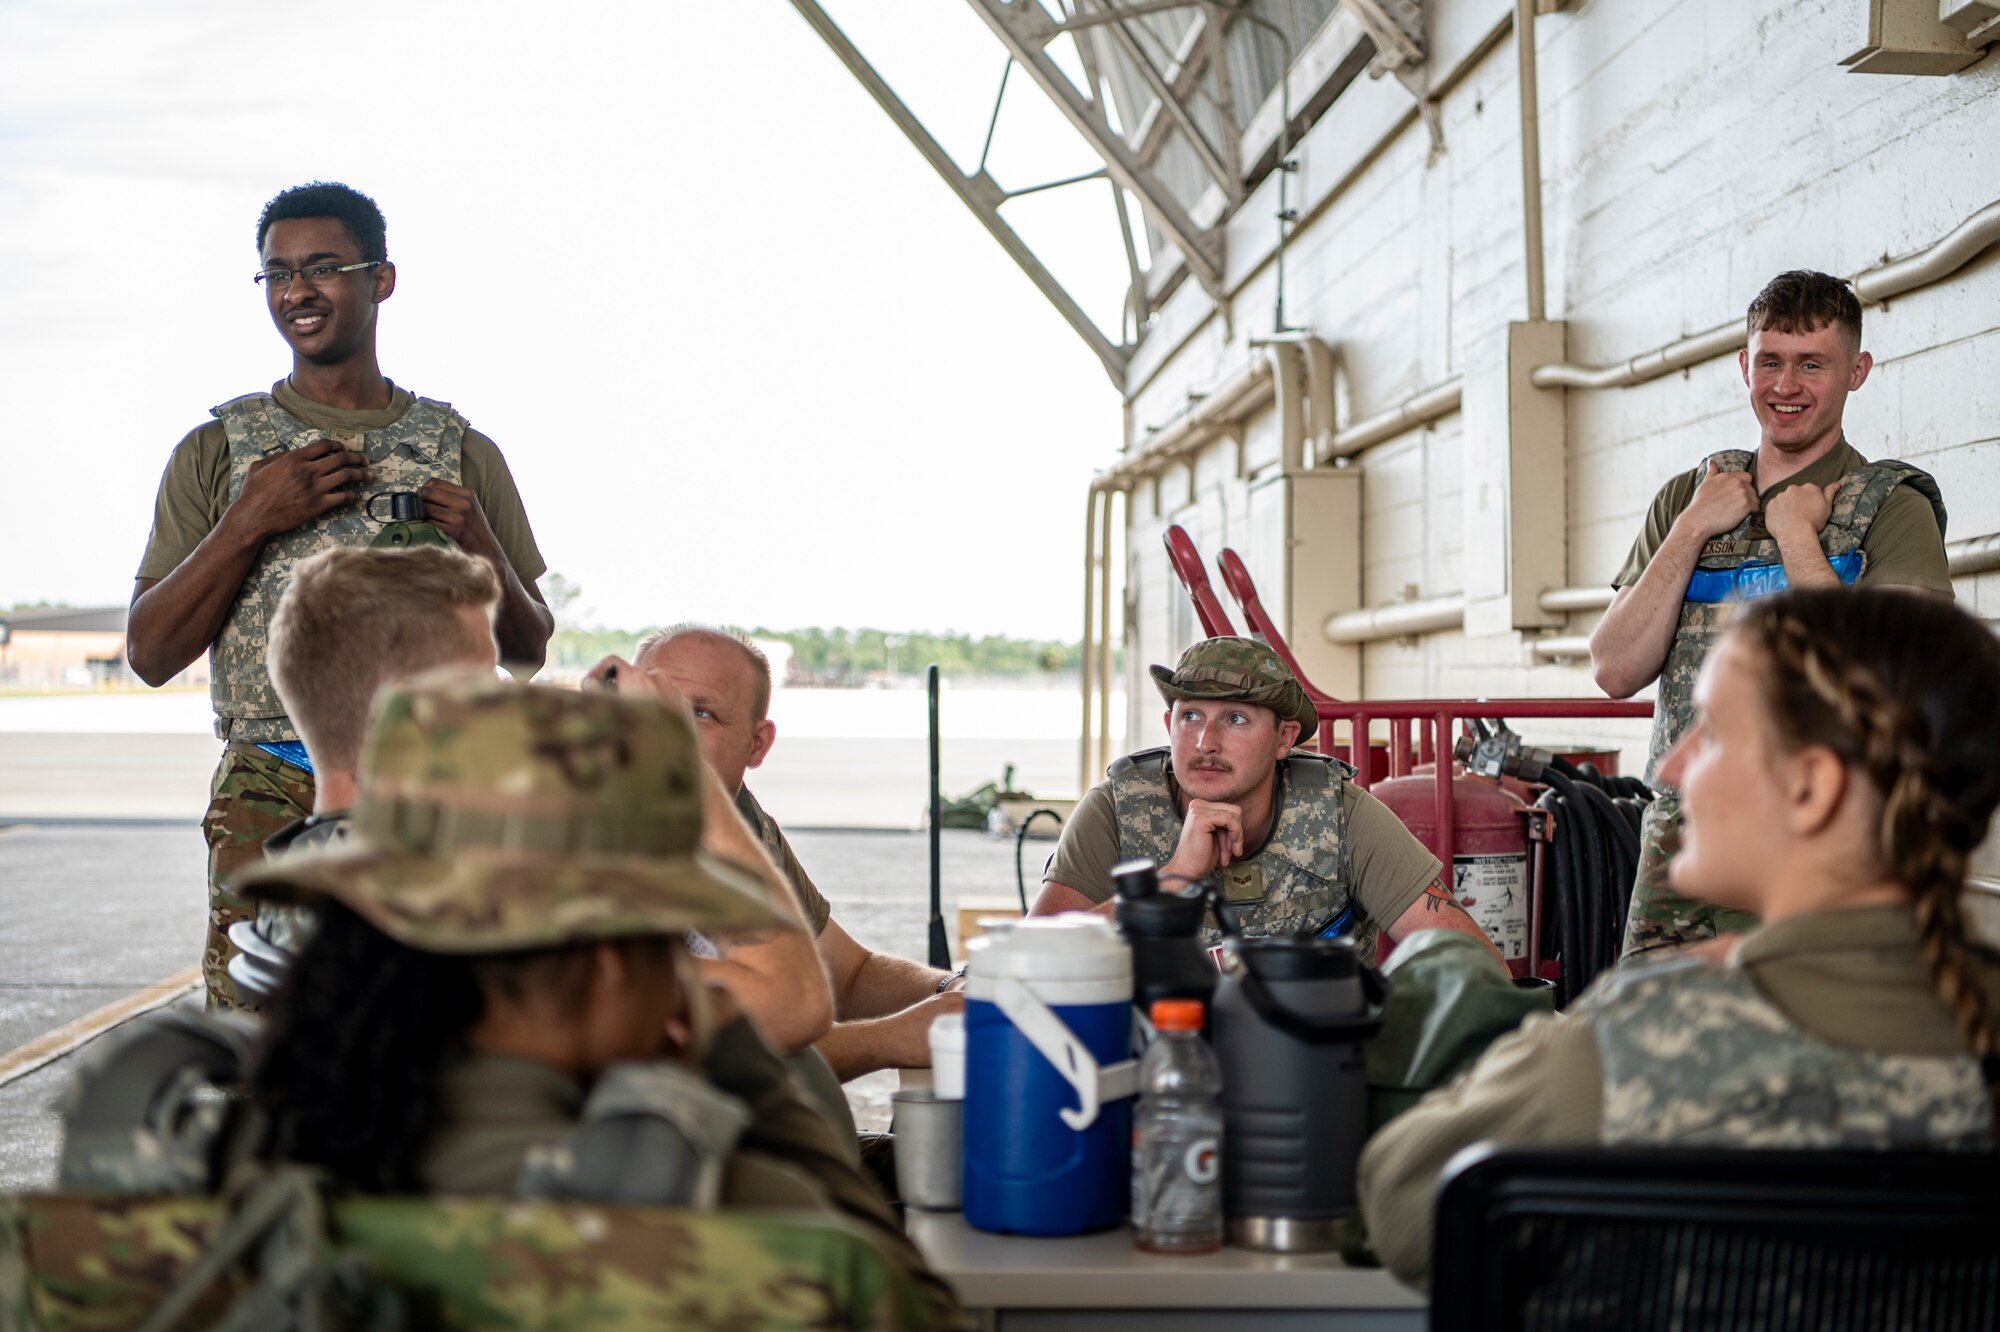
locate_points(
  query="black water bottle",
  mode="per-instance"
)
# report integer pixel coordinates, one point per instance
(1289, 1025)
(1164, 929)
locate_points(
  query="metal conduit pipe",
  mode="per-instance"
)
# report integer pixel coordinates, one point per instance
(1402, 619)
(1242, 394)
(1531, 154)
(1974, 555)
(1418, 409)
(1968, 241)
(1554, 648)
(1564, 599)
(1085, 663)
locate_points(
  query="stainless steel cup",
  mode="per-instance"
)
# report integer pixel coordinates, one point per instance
(930, 1161)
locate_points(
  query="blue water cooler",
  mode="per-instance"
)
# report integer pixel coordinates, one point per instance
(1049, 1078)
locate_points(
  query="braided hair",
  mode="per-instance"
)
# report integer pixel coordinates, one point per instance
(1903, 687)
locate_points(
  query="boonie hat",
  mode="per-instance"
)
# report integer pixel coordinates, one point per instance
(494, 816)
(1241, 670)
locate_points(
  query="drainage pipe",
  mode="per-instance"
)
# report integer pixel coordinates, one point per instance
(1972, 238)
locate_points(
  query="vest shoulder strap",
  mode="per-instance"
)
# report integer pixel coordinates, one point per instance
(1145, 758)
(153, 1109)
(655, 1134)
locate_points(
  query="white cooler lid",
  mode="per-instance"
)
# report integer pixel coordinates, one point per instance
(1072, 946)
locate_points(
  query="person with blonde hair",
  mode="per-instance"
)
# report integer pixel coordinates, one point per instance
(1837, 775)
(354, 620)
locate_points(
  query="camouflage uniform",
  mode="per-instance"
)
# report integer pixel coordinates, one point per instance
(1302, 878)
(276, 934)
(254, 793)
(70, 1263)
(1658, 916)
(497, 819)
(1694, 1055)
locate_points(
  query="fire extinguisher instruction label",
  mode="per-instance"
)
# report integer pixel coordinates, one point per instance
(1494, 891)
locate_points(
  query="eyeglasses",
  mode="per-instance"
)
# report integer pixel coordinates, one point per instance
(277, 279)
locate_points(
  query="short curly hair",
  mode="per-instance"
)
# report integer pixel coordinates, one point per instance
(1801, 301)
(355, 211)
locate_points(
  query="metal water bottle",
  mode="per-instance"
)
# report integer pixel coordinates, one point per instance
(1290, 1022)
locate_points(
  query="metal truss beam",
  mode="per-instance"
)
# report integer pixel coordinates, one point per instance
(979, 192)
(1193, 59)
(1025, 29)
(1172, 103)
(1397, 28)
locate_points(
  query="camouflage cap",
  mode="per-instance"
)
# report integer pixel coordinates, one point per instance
(1244, 671)
(493, 817)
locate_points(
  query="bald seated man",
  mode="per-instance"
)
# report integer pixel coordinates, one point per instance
(883, 1005)
(1300, 849)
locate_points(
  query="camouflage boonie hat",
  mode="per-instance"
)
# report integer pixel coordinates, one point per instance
(493, 817)
(1244, 671)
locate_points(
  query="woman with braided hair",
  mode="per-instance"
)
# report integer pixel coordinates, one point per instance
(1843, 765)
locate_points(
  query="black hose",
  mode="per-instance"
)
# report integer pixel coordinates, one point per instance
(1020, 837)
(1591, 864)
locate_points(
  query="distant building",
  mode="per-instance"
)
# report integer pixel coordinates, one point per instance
(68, 647)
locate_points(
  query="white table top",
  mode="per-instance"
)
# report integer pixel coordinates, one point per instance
(1104, 1271)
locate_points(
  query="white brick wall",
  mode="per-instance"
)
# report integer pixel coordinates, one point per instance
(1692, 150)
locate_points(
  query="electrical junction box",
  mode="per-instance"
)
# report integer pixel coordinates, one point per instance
(1923, 36)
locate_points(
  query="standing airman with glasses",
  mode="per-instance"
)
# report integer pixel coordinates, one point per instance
(281, 475)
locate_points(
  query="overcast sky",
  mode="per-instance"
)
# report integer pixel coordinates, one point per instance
(749, 359)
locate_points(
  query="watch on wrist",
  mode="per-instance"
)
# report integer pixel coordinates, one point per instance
(956, 975)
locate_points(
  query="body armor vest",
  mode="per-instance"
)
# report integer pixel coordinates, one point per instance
(423, 444)
(1695, 1055)
(1306, 871)
(1860, 497)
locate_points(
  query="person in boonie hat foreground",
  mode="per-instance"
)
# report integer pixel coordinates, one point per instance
(498, 988)
(1300, 849)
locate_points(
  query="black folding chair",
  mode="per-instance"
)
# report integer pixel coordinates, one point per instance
(1649, 1240)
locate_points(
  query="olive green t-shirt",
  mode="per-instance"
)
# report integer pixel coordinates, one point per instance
(811, 901)
(1391, 867)
(1903, 543)
(194, 489)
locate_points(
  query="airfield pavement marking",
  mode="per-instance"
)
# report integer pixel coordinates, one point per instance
(53, 1045)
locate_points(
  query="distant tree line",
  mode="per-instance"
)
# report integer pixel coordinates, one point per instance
(822, 656)
(843, 656)
(850, 656)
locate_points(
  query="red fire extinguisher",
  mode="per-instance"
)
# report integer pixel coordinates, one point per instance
(1487, 866)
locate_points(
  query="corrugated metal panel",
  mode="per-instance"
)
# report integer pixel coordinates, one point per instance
(1257, 56)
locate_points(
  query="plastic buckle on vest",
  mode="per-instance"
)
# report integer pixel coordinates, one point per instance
(1073, 1061)
(1749, 582)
